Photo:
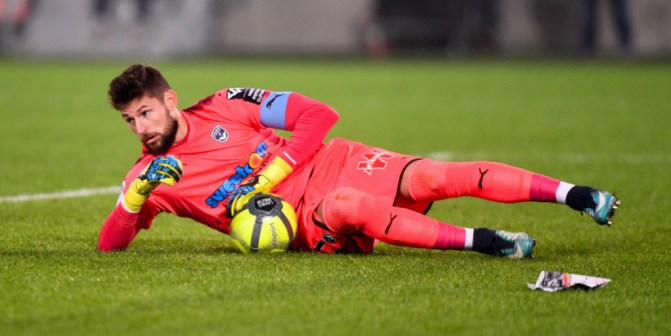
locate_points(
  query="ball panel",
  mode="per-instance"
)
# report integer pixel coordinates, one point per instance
(267, 223)
(287, 225)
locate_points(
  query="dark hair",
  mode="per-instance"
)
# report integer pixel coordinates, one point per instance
(135, 82)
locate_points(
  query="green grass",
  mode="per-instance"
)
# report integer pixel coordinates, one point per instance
(599, 124)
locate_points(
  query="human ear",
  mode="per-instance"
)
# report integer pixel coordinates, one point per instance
(170, 100)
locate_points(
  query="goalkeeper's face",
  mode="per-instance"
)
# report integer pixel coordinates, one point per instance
(151, 120)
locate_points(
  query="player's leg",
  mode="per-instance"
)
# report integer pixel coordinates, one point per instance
(347, 211)
(428, 180)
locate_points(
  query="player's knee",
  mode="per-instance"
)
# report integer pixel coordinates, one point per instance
(341, 210)
(427, 179)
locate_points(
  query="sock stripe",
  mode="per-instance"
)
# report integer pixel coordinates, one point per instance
(468, 243)
(562, 192)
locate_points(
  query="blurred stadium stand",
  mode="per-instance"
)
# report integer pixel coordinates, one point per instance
(185, 28)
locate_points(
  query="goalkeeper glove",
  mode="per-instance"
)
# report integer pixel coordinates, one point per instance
(163, 169)
(263, 182)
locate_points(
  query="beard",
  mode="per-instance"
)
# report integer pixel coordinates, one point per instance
(164, 140)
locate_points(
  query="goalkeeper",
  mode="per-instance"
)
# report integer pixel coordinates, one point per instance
(205, 161)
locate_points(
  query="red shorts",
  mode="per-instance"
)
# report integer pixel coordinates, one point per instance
(344, 163)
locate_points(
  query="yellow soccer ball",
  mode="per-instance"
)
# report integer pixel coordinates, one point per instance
(266, 223)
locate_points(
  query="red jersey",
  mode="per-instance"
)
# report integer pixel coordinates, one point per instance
(229, 139)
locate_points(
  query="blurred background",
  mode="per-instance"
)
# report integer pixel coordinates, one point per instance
(168, 29)
(599, 123)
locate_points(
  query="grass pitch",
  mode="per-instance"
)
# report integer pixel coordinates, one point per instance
(604, 125)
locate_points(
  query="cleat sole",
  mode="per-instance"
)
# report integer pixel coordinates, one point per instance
(614, 206)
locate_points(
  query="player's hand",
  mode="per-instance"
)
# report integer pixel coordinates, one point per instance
(163, 169)
(263, 182)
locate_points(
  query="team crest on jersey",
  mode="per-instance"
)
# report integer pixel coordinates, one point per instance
(374, 160)
(247, 94)
(219, 134)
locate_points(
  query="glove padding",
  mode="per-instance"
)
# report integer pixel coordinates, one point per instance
(263, 182)
(162, 169)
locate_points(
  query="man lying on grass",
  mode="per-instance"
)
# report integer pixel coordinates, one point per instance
(205, 161)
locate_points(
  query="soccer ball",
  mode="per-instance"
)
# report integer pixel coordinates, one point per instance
(266, 223)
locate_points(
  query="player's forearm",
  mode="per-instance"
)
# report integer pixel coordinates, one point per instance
(309, 132)
(131, 212)
(118, 230)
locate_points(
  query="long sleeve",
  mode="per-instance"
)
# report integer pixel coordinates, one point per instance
(309, 121)
(121, 227)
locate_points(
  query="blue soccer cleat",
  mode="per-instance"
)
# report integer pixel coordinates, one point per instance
(605, 206)
(513, 245)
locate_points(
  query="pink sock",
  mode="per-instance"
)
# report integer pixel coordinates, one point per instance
(432, 181)
(347, 211)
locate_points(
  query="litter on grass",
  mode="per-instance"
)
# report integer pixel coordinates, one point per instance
(555, 281)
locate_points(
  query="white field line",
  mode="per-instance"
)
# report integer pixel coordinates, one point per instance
(61, 194)
(438, 156)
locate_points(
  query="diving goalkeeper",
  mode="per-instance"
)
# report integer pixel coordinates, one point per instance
(205, 161)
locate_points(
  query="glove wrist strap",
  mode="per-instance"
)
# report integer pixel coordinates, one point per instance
(277, 171)
(133, 200)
